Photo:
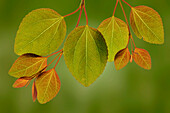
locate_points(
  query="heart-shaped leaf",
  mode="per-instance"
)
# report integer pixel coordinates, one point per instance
(85, 54)
(28, 65)
(47, 85)
(142, 58)
(122, 58)
(41, 32)
(116, 34)
(147, 23)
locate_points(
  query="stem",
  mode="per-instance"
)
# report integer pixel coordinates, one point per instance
(58, 59)
(133, 41)
(55, 53)
(86, 15)
(79, 17)
(72, 12)
(130, 36)
(115, 7)
(125, 15)
(53, 60)
(127, 3)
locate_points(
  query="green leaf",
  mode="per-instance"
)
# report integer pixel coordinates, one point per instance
(47, 85)
(122, 58)
(28, 65)
(41, 32)
(116, 34)
(147, 23)
(85, 54)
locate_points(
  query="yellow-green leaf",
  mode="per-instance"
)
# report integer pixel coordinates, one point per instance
(147, 24)
(47, 85)
(28, 65)
(122, 58)
(41, 32)
(85, 53)
(142, 58)
(116, 34)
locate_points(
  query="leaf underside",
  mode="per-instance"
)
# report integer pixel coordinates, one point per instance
(85, 54)
(27, 65)
(142, 58)
(41, 32)
(116, 34)
(47, 85)
(122, 58)
(147, 24)
(20, 83)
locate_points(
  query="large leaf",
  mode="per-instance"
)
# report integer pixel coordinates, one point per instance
(85, 53)
(48, 85)
(116, 34)
(41, 32)
(147, 23)
(142, 58)
(28, 65)
(122, 58)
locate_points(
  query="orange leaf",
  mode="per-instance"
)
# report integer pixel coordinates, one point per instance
(48, 85)
(20, 83)
(142, 58)
(28, 65)
(34, 92)
(122, 58)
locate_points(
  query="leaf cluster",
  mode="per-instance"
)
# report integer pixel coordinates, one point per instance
(86, 49)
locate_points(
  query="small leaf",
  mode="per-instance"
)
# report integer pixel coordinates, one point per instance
(34, 92)
(28, 65)
(20, 83)
(142, 58)
(85, 53)
(116, 34)
(122, 58)
(48, 85)
(147, 23)
(41, 32)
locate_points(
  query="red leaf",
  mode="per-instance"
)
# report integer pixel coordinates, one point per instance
(122, 58)
(20, 83)
(142, 58)
(34, 92)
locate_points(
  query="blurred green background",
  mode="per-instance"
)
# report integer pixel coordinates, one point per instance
(130, 90)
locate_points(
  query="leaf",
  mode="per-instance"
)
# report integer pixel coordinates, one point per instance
(34, 92)
(48, 85)
(85, 54)
(41, 32)
(116, 34)
(142, 58)
(28, 65)
(147, 23)
(122, 58)
(20, 83)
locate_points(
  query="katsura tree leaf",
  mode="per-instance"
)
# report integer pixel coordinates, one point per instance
(142, 58)
(85, 53)
(34, 92)
(48, 85)
(122, 58)
(28, 65)
(20, 83)
(116, 34)
(41, 32)
(147, 24)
